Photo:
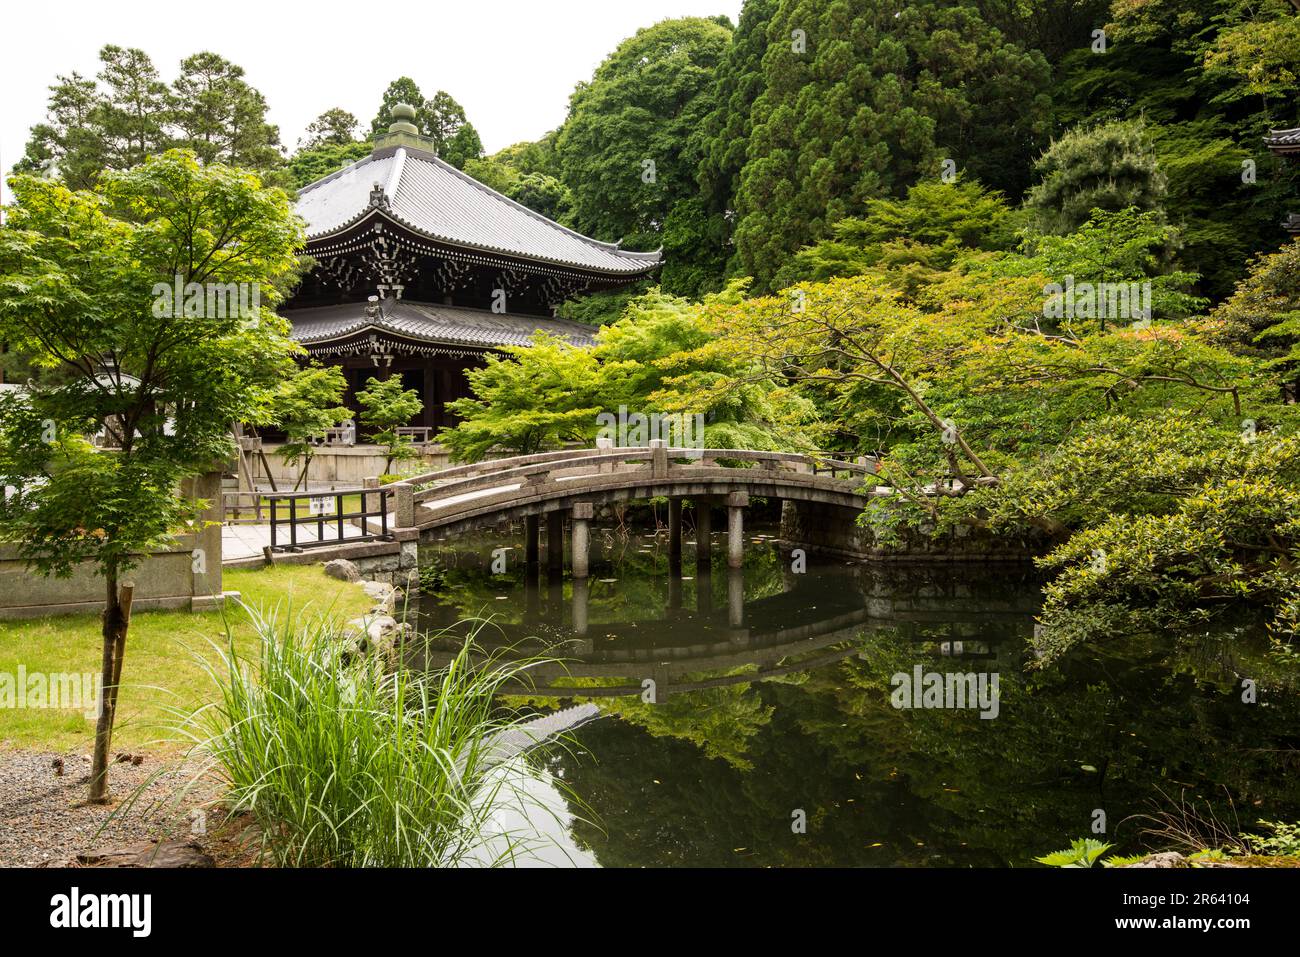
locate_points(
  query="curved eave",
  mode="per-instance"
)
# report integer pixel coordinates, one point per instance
(363, 330)
(651, 261)
(1283, 142)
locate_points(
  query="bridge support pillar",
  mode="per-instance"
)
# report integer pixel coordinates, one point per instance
(736, 504)
(532, 536)
(555, 542)
(703, 532)
(583, 512)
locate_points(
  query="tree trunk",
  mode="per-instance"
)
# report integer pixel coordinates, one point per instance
(115, 621)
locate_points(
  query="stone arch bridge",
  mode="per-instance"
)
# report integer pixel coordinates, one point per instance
(555, 486)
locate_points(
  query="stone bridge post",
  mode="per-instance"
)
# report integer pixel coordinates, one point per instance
(403, 506)
(583, 512)
(736, 504)
(658, 458)
(604, 445)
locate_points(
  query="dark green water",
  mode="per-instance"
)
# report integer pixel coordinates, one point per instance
(773, 697)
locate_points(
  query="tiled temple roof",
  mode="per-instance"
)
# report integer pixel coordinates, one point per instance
(1285, 141)
(434, 199)
(432, 324)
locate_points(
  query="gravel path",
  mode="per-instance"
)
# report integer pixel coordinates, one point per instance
(44, 820)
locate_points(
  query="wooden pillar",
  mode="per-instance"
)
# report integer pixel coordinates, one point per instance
(532, 534)
(703, 532)
(555, 542)
(675, 531)
(736, 503)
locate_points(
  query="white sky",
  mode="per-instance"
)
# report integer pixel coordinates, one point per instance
(511, 63)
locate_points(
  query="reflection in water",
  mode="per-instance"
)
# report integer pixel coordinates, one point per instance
(737, 698)
(531, 824)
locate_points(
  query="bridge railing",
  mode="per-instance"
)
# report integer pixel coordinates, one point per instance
(491, 466)
(533, 472)
(820, 461)
(546, 466)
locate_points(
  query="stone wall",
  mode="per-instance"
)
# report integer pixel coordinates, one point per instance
(832, 530)
(400, 568)
(348, 466)
(186, 574)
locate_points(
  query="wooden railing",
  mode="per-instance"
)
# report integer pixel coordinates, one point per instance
(243, 508)
(419, 434)
(338, 435)
(328, 515)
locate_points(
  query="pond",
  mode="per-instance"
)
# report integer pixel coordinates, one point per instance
(750, 717)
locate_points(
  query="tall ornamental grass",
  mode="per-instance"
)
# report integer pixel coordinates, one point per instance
(344, 765)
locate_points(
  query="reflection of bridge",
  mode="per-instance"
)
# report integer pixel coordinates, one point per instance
(572, 483)
(757, 640)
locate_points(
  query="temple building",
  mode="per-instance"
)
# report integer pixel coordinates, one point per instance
(421, 271)
(1286, 144)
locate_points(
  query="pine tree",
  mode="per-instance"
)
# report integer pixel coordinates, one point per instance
(335, 127)
(864, 98)
(1111, 166)
(69, 143)
(221, 117)
(444, 120)
(133, 115)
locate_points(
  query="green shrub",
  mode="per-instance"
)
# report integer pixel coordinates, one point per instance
(1082, 853)
(1284, 841)
(343, 765)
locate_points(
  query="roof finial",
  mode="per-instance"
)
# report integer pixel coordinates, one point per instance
(402, 132)
(403, 119)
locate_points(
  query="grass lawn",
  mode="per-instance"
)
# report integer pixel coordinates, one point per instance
(160, 669)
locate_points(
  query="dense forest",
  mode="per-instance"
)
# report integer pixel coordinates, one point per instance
(738, 147)
(1029, 254)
